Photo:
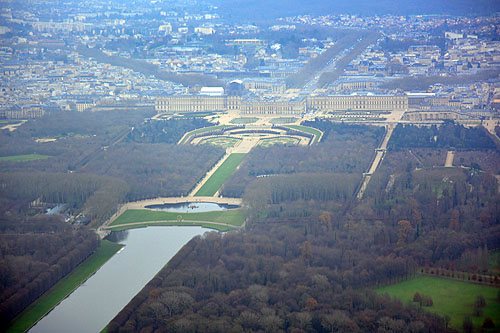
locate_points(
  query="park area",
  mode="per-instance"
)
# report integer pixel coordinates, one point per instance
(317, 133)
(281, 140)
(221, 141)
(220, 175)
(188, 135)
(23, 158)
(244, 120)
(283, 120)
(221, 220)
(451, 298)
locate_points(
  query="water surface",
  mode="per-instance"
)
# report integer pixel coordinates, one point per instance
(92, 306)
(192, 207)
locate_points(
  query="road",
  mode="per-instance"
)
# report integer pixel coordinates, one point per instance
(13, 127)
(379, 156)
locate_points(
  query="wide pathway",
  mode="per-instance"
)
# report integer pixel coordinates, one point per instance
(379, 156)
(449, 159)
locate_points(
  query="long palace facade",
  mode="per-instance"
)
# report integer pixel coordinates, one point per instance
(278, 106)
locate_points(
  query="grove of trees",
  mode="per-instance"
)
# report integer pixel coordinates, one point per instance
(35, 252)
(343, 149)
(448, 136)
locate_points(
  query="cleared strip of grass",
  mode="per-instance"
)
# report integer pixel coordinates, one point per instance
(213, 183)
(317, 133)
(244, 120)
(231, 216)
(198, 131)
(9, 122)
(23, 158)
(450, 297)
(64, 287)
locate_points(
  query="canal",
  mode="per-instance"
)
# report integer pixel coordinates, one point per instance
(92, 305)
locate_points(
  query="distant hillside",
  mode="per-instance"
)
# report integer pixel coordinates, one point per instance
(264, 9)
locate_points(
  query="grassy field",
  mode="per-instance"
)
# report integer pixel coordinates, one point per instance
(223, 141)
(220, 175)
(495, 262)
(283, 120)
(200, 130)
(23, 158)
(244, 120)
(317, 133)
(231, 216)
(451, 297)
(283, 140)
(64, 287)
(5, 122)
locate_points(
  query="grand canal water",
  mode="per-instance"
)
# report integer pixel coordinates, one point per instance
(92, 305)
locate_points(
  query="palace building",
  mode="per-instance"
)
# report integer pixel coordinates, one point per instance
(281, 106)
(357, 101)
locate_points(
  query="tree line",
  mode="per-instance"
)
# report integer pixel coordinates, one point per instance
(300, 78)
(165, 131)
(35, 252)
(147, 69)
(97, 196)
(448, 136)
(423, 82)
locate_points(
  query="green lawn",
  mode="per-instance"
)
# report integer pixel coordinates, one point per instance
(317, 133)
(64, 287)
(451, 297)
(494, 262)
(282, 140)
(244, 120)
(231, 216)
(220, 175)
(283, 120)
(200, 130)
(4, 122)
(223, 141)
(23, 158)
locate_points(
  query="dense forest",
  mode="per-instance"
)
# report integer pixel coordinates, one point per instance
(448, 136)
(154, 170)
(98, 160)
(343, 149)
(423, 82)
(276, 277)
(35, 252)
(96, 196)
(165, 131)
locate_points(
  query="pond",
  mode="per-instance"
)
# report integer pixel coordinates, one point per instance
(92, 305)
(192, 207)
